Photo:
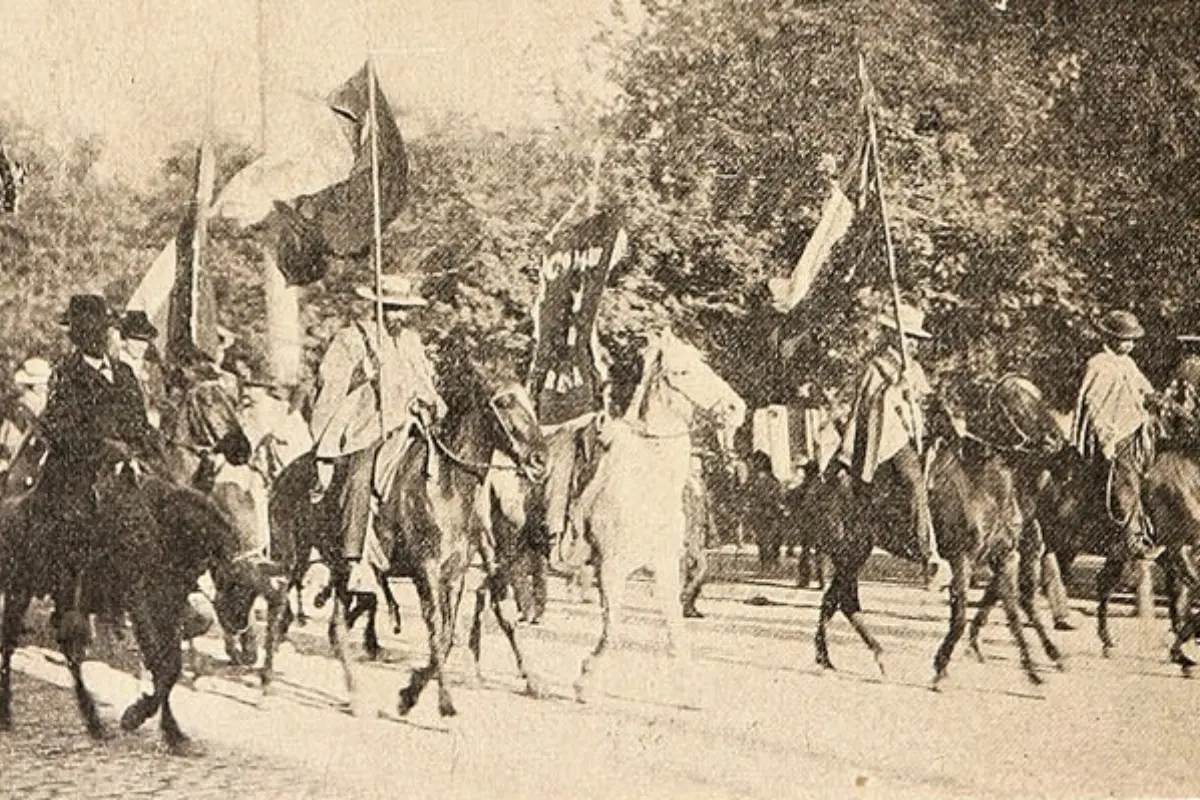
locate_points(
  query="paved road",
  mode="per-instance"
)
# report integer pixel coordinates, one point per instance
(769, 723)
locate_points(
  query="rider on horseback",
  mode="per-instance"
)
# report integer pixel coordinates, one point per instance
(886, 427)
(1112, 423)
(348, 408)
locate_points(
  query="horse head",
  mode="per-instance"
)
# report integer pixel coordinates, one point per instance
(486, 416)
(676, 382)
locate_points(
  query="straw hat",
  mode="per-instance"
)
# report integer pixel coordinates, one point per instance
(912, 320)
(397, 290)
(1121, 325)
(34, 372)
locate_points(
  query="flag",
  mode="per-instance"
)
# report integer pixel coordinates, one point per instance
(565, 376)
(191, 307)
(338, 220)
(852, 197)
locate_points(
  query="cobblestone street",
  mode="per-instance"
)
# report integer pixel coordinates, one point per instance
(47, 755)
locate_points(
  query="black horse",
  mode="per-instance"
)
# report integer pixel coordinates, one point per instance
(147, 543)
(430, 523)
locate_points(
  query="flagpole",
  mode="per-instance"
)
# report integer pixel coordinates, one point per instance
(887, 228)
(377, 219)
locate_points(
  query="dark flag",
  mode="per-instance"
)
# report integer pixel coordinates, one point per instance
(191, 306)
(564, 378)
(338, 220)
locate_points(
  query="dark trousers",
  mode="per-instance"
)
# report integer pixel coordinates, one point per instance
(354, 499)
(900, 496)
(1122, 484)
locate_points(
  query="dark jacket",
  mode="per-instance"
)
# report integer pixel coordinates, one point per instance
(84, 410)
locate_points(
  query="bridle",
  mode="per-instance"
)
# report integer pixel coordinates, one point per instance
(476, 469)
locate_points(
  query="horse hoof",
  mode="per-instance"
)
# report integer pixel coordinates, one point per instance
(691, 613)
(1064, 625)
(1106, 650)
(879, 663)
(826, 665)
(98, 732)
(447, 709)
(132, 719)
(978, 653)
(1033, 677)
(183, 747)
(535, 687)
(405, 703)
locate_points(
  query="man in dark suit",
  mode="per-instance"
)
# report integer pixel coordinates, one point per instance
(94, 399)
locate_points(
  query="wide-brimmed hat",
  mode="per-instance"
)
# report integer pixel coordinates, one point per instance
(396, 290)
(90, 309)
(34, 372)
(1121, 325)
(912, 320)
(136, 325)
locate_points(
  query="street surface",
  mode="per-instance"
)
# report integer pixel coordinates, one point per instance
(768, 723)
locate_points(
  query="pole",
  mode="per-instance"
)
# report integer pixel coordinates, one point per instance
(887, 228)
(284, 341)
(377, 242)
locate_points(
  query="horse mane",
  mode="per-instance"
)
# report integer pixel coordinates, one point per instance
(464, 389)
(651, 369)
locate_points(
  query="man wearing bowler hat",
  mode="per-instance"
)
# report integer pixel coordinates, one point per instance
(93, 399)
(366, 393)
(1111, 425)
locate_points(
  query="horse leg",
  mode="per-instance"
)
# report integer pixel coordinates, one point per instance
(534, 685)
(852, 608)
(1181, 577)
(277, 605)
(15, 606)
(475, 638)
(830, 601)
(389, 598)
(667, 585)
(986, 604)
(338, 635)
(157, 633)
(427, 582)
(960, 581)
(1005, 574)
(611, 585)
(1106, 581)
(369, 604)
(72, 634)
(1027, 598)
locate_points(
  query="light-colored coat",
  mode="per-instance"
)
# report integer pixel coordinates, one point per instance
(887, 414)
(1111, 405)
(345, 416)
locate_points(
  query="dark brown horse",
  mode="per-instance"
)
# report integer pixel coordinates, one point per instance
(147, 543)
(977, 521)
(1066, 498)
(430, 523)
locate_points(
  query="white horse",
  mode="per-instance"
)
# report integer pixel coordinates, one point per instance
(632, 512)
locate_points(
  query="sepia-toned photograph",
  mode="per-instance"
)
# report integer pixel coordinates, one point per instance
(599, 399)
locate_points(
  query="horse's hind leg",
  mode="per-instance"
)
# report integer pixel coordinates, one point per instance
(389, 598)
(959, 583)
(1027, 597)
(852, 608)
(1005, 575)
(1106, 582)
(986, 604)
(15, 606)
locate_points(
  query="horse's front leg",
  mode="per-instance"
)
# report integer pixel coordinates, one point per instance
(611, 585)
(428, 582)
(1005, 571)
(16, 604)
(73, 633)
(959, 583)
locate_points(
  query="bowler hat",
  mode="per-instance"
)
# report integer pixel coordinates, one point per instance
(136, 325)
(87, 309)
(396, 290)
(912, 320)
(1121, 325)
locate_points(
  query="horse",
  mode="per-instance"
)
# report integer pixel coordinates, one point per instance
(1073, 516)
(428, 525)
(142, 552)
(631, 510)
(977, 519)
